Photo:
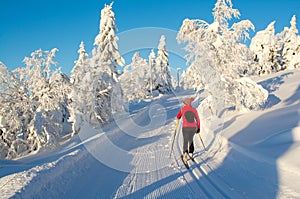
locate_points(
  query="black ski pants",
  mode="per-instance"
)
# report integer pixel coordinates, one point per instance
(188, 136)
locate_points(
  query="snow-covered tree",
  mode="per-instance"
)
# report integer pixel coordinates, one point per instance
(267, 48)
(154, 77)
(33, 105)
(163, 76)
(48, 89)
(81, 93)
(81, 66)
(107, 54)
(219, 58)
(291, 48)
(94, 79)
(135, 80)
(53, 123)
(89, 89)
(17, 113)
(105, 58)
(192, 78)
(142, 80)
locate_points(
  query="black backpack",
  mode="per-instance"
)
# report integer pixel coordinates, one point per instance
(190, 116)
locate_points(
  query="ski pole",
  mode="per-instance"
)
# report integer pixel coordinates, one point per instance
(202, 141)
(177, 122)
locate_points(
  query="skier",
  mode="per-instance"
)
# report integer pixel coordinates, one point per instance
(190, 126)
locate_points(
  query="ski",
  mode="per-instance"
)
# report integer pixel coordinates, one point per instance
(186, 164)
(192, 158)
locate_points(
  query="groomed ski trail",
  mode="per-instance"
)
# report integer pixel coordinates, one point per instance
(155, 173)
(93, 164)
(200, 177)
(172, 180)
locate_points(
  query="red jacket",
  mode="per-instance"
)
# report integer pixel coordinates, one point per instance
(190, 117)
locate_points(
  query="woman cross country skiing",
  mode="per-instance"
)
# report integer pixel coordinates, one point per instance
(190, 126)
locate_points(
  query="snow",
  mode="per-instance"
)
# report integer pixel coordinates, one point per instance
(250, 155)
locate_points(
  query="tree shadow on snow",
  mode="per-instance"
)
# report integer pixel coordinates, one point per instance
(272, 85)
(294, 98)
(251, 165)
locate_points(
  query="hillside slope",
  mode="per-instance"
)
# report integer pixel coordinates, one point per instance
(250, 155)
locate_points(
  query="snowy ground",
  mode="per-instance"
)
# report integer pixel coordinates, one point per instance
(250, 155)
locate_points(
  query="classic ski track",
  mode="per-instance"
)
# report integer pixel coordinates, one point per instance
(217, 182)
(203, 188)
(200, 171)
(158, 182)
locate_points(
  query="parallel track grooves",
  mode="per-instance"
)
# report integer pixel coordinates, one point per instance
(210, 184)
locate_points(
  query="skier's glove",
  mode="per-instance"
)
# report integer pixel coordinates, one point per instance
(198, 130)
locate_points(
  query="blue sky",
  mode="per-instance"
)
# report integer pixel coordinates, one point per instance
(26, 26)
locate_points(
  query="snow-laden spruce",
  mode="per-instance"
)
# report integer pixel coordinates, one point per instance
(266, 47)
(106, 54)
(164, 80)
(275, 52)
(81, 93)
(94, 80)
(135, 80)
(291, 48)
(104, 61)
(218, 59)
(153, 81)
(147, 78)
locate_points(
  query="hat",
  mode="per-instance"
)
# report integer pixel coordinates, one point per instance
(188, 101)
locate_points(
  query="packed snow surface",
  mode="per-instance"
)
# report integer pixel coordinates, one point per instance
(249, 155)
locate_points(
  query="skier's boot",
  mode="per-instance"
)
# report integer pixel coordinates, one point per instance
(184, 158)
